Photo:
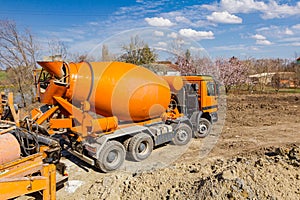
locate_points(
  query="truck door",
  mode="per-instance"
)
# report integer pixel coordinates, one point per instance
(191, 102)
(208, 97)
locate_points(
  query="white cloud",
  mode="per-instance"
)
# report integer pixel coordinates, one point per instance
(172, 35)
(224, 17)
(158, 33)
(288, 31)
(254, 48)
(276, 31)
(275, 10)
(269, 10)
(197, 49)
(162, 44)
(159, 21)
(93, 23)
(263, 42)
(139, 10)
(289, 44)
(242, 6)
(179, 41)
(258, 37)
(263, 29)
(198, 35)
(297, 26)
(182, 19)
(291, 39)
(296, 44)
(230, 47)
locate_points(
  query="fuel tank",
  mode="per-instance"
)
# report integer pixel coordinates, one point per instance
(127, 91)
(9, 148)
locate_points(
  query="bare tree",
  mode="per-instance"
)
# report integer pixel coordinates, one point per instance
(276, 82)
(205, 66)
(106, 56)
(266, 68)
(185, 63)
(17, 54)
(57, 48)
(137, 52)
(80, 57)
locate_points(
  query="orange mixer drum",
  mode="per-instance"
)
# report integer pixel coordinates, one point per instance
(9, 148)
(130, 92)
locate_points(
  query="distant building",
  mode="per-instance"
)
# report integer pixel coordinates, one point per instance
(285, 79)
(262, 78)
(282, 79)
(163, 68)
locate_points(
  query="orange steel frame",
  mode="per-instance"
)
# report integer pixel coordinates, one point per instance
(10, 103)
(27, 175)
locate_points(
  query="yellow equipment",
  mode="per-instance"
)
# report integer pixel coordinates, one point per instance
(27, 160)
(27, 175)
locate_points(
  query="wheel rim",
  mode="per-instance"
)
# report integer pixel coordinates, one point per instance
(203, 129)
(112, 156)
(142, 147)
(182, 135)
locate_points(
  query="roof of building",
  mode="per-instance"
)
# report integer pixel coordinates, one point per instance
(272, 74)
(262, 75)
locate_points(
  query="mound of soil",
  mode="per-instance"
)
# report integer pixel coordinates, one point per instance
(271, 173)
(255, 157)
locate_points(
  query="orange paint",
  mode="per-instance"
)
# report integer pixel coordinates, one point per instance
(127, 91)
(105, 124)
(175, 82)
(54, 68)
(9, 148)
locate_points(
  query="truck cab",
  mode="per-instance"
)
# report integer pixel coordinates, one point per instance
(198, 101)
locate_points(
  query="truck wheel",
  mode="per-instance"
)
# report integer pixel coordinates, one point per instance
(111, 156)
(126, 144)
(183, 135)
(203, 129)
(140, 147)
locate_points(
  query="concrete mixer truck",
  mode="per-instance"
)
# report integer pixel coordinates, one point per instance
(103, 112)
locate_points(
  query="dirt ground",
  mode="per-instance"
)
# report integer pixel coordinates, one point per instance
(255, 155)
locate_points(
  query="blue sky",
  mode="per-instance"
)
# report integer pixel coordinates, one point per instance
(241, 28)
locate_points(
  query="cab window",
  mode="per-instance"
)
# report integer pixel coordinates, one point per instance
(211, 89)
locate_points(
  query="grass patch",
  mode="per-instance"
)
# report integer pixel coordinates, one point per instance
(289, 90)
(3, 76)
(267, 90)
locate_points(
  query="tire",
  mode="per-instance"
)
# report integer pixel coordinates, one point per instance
(126, 144)
(55, 157)
(140, 147)
(183, 135)
(111, 156)
(203, 129)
